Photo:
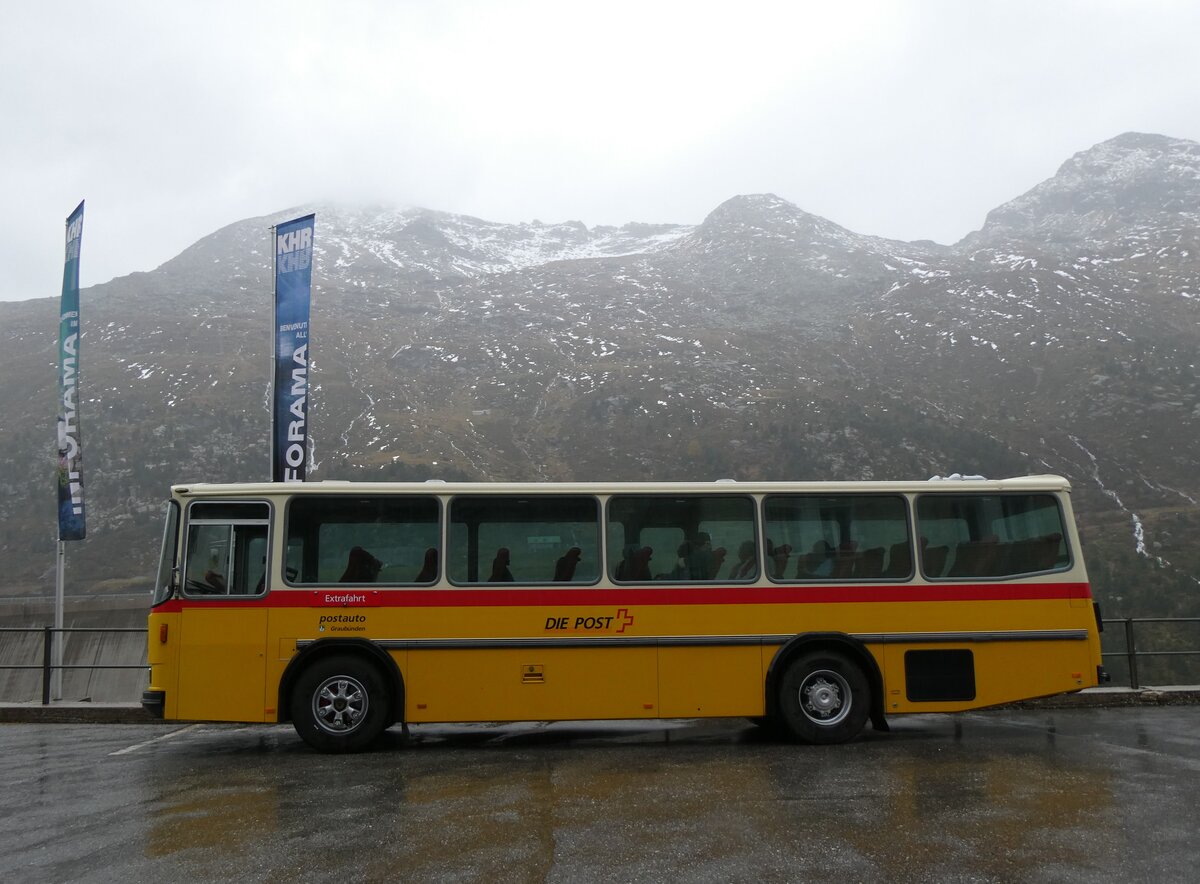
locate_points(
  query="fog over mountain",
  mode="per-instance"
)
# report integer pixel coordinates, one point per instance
(764, 343)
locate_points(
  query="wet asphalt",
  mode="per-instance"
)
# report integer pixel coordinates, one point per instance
(1008, 795)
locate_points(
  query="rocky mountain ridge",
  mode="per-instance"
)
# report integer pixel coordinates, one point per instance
(763, 343)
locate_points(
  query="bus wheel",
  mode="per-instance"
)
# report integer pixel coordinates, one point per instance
(823, 698)
(339, 704)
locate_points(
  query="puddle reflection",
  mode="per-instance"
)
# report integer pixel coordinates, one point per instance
(521, 804)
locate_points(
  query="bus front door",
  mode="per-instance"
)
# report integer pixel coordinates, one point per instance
(222, 670)
(222, 665)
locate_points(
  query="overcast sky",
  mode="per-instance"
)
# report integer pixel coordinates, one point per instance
(904, 119)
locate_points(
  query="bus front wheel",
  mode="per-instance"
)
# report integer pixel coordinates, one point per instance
(339, 704)
(823, 698)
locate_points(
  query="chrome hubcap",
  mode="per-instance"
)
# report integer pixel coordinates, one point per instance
(825, 697)
(340, 704)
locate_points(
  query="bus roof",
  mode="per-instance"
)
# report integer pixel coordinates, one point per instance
(973, 485)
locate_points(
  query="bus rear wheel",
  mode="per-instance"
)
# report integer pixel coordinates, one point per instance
(339, 704)
(823, 698)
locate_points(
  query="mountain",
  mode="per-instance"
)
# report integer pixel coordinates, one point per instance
(763, 343)
(1134, 187)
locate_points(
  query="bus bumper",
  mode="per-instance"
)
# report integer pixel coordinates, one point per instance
(154, 702)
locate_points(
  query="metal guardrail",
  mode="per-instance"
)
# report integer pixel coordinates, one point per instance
(47, 665)
(1130, 654)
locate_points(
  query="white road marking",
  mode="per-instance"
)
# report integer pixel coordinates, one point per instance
(134, 748)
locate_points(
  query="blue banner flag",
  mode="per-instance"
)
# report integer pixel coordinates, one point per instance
(70, 442)
(293, 286)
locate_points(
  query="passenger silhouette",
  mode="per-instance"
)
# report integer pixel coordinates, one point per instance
(745, 568)
(636, 564)
(564, 568)
(500, 572)
(429, 569)
(361, 567)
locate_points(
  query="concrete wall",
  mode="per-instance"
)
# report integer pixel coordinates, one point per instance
(79, 649)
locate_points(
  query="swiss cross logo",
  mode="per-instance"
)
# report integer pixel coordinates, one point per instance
(624, 618)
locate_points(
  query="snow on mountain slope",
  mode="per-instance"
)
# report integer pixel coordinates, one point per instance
(765, 342)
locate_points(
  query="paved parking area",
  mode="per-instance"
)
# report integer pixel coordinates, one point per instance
(1011, 795)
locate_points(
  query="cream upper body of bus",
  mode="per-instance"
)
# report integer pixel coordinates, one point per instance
(811, 607)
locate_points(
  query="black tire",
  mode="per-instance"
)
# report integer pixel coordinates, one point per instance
(823, 698)
(340, 704)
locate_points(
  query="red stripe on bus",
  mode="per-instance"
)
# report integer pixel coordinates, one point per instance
(334, 597)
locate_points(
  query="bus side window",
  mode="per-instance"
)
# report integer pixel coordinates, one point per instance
(842, 537)
(991, 535)
(208, 559)
(375, 539)
(681, 539)
(539, 538)
(250, 573)
(226, 548)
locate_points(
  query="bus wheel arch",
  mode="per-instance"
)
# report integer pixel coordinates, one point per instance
(364, 662)
(799, 652)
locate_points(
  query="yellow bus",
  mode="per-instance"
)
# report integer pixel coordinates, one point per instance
(809, 607)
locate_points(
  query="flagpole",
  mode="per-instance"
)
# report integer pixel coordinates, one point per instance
(274, 335)
(71, 520)
(56, 660)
